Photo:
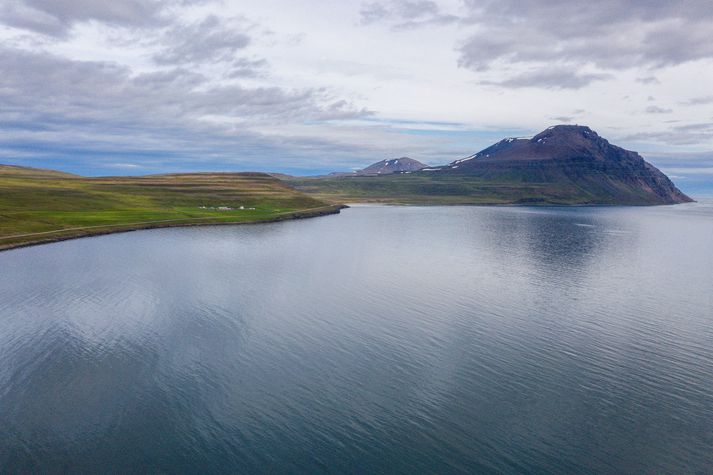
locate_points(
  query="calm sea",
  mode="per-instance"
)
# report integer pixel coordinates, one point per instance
(382, 340)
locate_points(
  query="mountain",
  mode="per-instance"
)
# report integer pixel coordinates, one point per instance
(384, 167)
(563, 165)
(572, 160)
(394, 165)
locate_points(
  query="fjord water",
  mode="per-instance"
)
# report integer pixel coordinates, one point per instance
(384, 339)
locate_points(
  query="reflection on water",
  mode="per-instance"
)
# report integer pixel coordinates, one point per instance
(387, 339)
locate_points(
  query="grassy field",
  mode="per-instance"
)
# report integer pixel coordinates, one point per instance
(428, 189)
(535, 183)
(42, 205)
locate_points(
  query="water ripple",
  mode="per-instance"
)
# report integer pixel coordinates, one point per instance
(386, 339)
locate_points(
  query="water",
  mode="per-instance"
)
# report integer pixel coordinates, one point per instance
(385, 339)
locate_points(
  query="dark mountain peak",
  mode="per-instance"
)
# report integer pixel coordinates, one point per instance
(559, 142)
(506, 144)
(385, 167)
(567, 130)
(392, 165)
(569, 135)
(573, 157)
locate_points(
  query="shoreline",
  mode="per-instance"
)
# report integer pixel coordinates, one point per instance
(89, 231)
(517, 205)
(534, 204)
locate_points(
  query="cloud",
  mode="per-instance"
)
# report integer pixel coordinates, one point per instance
(341, 110)
(698, 101)
(123, 165)
(103, 107)
(247, 68)
(657, 110)
(405, 14)
(694, 171)
(103, 91)
(211, 40)
(648, 80)
(683, 160)
(373, 13)
(694, 127)
(140, 81)
(688, 134)
(550, 78)
(607, 34)
(57, 17)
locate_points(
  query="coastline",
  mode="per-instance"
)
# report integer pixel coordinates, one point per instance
(92, 231)
(354, 203)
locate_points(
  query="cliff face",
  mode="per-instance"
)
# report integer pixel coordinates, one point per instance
(572, 160)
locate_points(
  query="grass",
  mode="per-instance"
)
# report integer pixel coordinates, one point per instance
(42, 205)
(428, 189)
(536, 183)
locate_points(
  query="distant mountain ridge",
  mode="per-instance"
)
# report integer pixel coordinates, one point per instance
(573, 157)
(385, 167)
(563, 164)
(393, 165)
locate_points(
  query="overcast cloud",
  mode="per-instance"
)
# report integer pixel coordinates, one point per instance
(311, 86)
(57, 17)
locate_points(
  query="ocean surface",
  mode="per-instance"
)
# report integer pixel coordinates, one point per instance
(382, 340)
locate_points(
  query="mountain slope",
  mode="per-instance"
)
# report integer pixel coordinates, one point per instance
(14, 171)
(43, 205)
(576, 160)
(394, 165)
(565, 165)
(384, 167)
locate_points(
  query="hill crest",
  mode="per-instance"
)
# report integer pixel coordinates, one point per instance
(575, 156)
(392, 165)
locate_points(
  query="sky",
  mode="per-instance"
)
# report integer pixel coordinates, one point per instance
(111, 87)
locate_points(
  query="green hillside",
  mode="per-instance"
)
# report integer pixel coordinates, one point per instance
(564, 164)
(429, 188)
(43, 205)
